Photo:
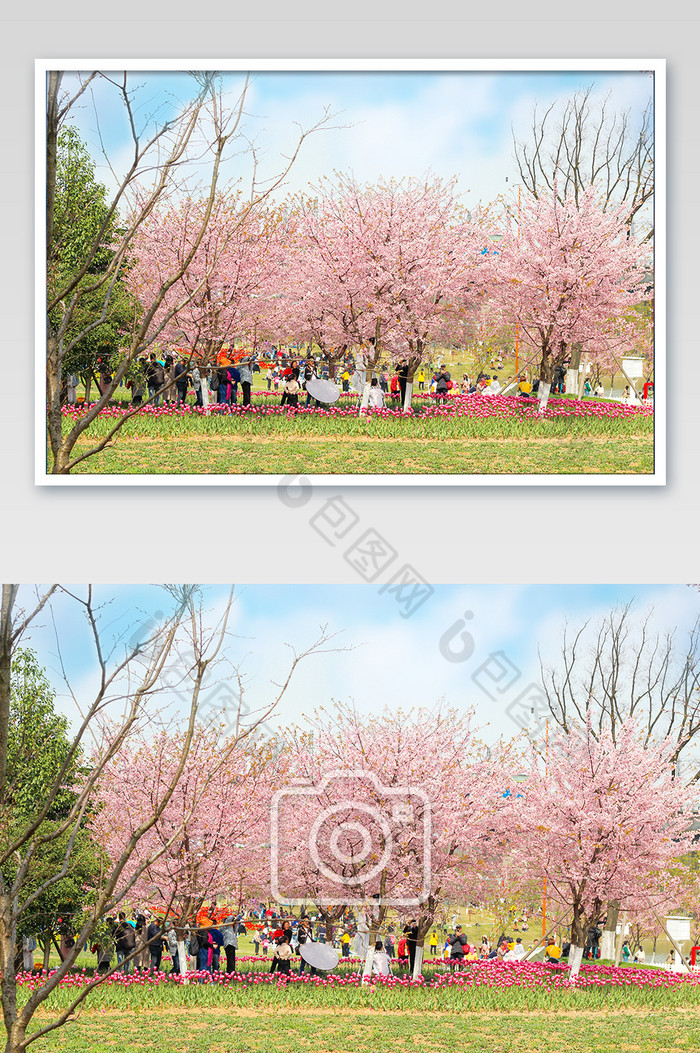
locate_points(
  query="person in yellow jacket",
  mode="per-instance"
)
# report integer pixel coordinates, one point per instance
(433, 942)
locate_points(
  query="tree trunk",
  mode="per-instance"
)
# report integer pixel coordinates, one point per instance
(369, 957)
(575, 959)
(572, 372)
(546, 377)
(607, 942)
(620, 939)
(364, 403)
(61, 462)
(47, 948)
(408, 399)
(182, 956)
(579, 931)
(53, 394)
(7, 966)
(418, 960)
(543, 394)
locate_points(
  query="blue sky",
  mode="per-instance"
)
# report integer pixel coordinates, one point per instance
(381, 657)
(388, 124)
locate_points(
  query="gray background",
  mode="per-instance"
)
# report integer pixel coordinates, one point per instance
(486, 534)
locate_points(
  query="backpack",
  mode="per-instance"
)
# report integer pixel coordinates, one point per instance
(214, 382)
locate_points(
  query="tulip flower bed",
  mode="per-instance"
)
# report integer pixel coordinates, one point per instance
(475, 416)
(465, 434)
(492, 985)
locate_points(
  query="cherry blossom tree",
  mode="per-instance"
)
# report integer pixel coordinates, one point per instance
(155, 174)
(387, 262)
(132, 679)
(600, 820)
(147, 686)
(566, 273)
(234, 270)
(394, 810)
(207, 832)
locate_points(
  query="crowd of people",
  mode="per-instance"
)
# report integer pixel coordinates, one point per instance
(176, 378)
(141, 941)
(145, 942)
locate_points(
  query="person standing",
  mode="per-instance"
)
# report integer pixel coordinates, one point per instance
(217, 942)
(310, 374)
(169, 379)
(72, 389)
(197, 384)
(155, 378)
(402, 374)
(458, 944)
(124, 941)
(433, 943)
(411, 933)
(204, 947)
(28, 948)
(142, 956)
(181, 379)
(171, 937)
(103, 947)
(228, 932)
(443, 383)
(305, 935)
(154, 933)
(246, 377)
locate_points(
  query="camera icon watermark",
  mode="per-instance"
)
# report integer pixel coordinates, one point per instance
(348, 836)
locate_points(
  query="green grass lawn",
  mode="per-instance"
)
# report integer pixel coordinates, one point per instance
(282, 445)
(221, 444)
(226, 1031)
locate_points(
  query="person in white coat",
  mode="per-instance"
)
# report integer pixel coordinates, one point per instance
(376, 395)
